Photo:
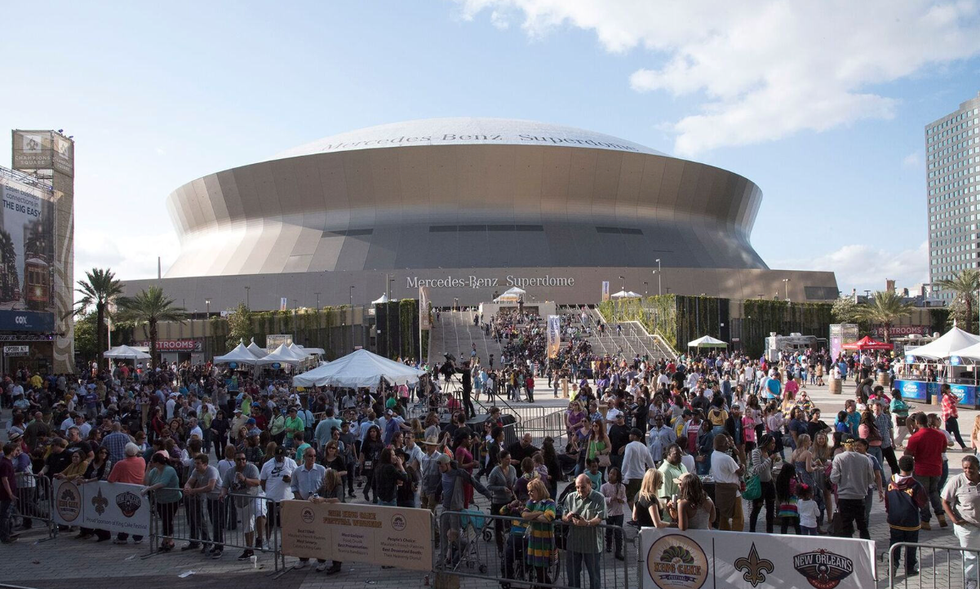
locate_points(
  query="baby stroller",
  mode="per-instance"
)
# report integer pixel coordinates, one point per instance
(473, 526)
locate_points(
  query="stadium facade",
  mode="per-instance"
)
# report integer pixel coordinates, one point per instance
(469, 207)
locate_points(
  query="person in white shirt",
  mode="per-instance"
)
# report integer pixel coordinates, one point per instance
(727, 475)
(636, 461)
(276, 477)
(195, 429)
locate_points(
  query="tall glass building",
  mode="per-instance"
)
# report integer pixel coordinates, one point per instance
(953, 179)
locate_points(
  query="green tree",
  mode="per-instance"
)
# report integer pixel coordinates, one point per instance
(239, 326)
(884, 308)
(99, 289)
(964, 285)
(844, 310)
(85, 332)
(149, 307)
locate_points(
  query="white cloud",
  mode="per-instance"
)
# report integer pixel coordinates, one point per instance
(764, 69)
(912, 160)
(864, 266)
(129, 258)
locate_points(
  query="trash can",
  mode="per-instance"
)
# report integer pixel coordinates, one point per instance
(883, 379)
(836, 386)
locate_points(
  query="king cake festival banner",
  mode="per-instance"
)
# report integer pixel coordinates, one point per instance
(710, 559)
(114, 507)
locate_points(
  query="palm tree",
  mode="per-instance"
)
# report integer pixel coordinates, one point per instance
(884, 308)
(150, 306)
(965, 286)
(99, 289)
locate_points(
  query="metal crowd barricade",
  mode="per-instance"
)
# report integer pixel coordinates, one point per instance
(469, 550)
(946, 566)
(35, 503)
(226, 524)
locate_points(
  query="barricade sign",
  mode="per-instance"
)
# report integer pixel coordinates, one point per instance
(707, 558)
(389, 536)
(114, 507)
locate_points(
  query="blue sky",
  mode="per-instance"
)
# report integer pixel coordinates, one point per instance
(823, 107)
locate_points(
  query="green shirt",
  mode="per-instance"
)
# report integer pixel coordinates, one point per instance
(585, 539)
(293, 425)
(669, 487)
(170, 492)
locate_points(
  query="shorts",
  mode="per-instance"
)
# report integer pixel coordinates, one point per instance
(247, 516)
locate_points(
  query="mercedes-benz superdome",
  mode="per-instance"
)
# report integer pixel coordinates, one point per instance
(470, 206)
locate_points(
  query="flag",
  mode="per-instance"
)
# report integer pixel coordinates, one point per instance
(605, 290)
(554, 335)
(425, 322)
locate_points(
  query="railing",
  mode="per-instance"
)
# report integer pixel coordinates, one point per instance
(958, 564)
(35, 503)
(239, 521)
(482, 546)
(541, 426)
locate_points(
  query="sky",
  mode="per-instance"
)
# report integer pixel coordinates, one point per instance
(823, 105)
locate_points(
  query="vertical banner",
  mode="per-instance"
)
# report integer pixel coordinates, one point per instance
(115, 507)
(425, 321)
(605, 290)
(836, 336)
(697, 559)
(283, 303)
(554, 335)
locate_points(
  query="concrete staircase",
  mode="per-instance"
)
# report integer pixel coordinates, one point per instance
(454, 333)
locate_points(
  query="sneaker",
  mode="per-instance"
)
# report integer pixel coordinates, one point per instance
(300, 565)
(246, 554)
(191, 546)
(120, 541)
(334, 569)
(216, 554)
(321, 567)
(140, 541)
(619, 556)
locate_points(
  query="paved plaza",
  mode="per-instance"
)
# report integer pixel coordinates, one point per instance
(66, 563)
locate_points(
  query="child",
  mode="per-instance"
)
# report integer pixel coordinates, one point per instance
(808, 511)
(787, 499)
(593, 473)
(903, 500)
(841, 425)
(615, 493)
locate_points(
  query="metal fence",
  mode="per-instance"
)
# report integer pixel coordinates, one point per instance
(218, 528)
(470, 549)
(35, 503)
(948, 566)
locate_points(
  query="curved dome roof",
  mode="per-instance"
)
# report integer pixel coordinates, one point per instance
(465, 131)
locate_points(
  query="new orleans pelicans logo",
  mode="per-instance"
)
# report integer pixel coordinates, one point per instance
(128, 503)
(822, 568)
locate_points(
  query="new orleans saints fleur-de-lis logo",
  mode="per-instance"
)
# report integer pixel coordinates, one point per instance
(100, 503)
(755, 567)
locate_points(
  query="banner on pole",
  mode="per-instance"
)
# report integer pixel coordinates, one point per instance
(605, 290)
(425, 322)
(115, 507)
(389, 536)
(554, 335)
(696, 559)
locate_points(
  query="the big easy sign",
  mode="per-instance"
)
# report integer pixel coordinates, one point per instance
(175, 345)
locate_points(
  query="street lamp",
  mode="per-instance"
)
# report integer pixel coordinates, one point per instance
(317, 301)
(207, 307)
(645, 289)
(624, 283)
(786, 284)
(659, 273)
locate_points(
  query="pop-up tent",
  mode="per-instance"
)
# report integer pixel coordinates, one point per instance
(707, 342)
(380, 301)
(948, 345)
(256, 350)
(240, 355)
(511, 295)
(125, 353)
(280, 355)
(359, 369)
(625, 294)
(868, 343)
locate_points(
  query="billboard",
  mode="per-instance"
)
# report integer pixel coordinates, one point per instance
(27, 254)
(43, 150)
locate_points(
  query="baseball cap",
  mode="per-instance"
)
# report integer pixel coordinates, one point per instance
(280, 451)
(251, 421)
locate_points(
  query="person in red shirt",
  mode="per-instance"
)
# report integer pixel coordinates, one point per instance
(927, 446)
(129, 470)
(951, 414)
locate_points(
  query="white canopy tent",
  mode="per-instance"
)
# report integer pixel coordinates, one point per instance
(280, 355)
(381, 301)
(968, 353)
(240, 354)
(625, 294)
(256, 350)
(358, 369)
(125, 353)
(949, 344)
(707, 342)
(299, 351)
(511, 295)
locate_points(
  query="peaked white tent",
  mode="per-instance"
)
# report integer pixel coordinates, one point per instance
(358, 369)
(511, 295)
(950, 344)
(299, 351)
(968, 353)
(707, 342)
(125, 353)
(625, 294)
(382, 300)
(240, 354)
(256, 350)
(280, 355)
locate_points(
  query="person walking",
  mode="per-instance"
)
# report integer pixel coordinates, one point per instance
(927, 446)
(904, 500)
(951, 414)
(852, 473)
(961, 502)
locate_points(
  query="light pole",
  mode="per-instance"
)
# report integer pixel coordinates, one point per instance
(645, 289)
(317, 301)
(659, 273)
(247, 305)
(786, 284)
(207, 319)
(351, 316)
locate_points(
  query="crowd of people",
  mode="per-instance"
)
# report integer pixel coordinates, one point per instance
(688, 443)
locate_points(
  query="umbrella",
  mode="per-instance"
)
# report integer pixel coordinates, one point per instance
(707, 342)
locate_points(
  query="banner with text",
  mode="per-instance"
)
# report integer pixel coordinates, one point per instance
(554, 335)
(693, 559)
(605, 290)
(115, 507)
(425, 322)
(390, 536)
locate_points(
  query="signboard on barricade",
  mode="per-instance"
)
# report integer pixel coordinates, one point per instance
(702, 559)
(389, 536)
(114, 507)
